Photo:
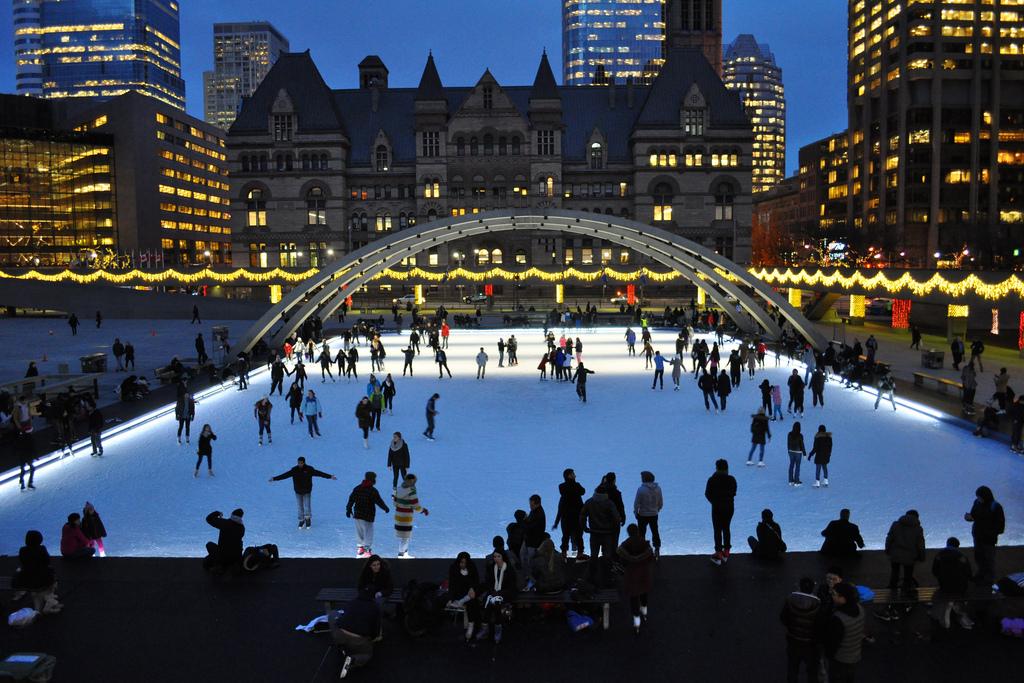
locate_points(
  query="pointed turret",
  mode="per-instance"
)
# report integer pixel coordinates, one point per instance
(430, 87)
(544, 86)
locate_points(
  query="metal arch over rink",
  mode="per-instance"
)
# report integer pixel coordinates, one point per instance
(324, 292)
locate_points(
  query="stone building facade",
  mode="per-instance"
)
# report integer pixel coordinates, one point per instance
(317, 172)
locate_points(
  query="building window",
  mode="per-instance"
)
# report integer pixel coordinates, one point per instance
(245, 163)
(515, 145)
(316, 207)
(547, 187)
(282, 127)
(432, 144)
(383, 222)
(606, 257)
(521, 257)
(488, 145)
(488, 93)
(432, 188)
(258, 255)
(496, 257)
(483, 257)
(662, 203)
(382, 158)
(723, 202)
(693, 122)
(623, 257)
(502, 146)
(546, 143)
(596, 156)
(288, 255)
(474, 147)
(460, 147)
(257, 209)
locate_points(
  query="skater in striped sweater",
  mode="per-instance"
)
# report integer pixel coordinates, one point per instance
(407, 503)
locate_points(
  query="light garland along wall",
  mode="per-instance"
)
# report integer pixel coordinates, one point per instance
(957, 311)
(905, 284)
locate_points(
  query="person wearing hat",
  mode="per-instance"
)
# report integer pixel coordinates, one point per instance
(92, 527)
(226, 553)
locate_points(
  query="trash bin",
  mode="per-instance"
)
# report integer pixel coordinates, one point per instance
(932, 359)
(94, 362)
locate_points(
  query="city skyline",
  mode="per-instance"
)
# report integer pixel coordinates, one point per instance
(796, 35)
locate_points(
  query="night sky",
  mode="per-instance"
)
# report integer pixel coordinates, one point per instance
(467, 36)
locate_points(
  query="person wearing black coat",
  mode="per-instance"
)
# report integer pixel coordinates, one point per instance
(724, 388)
(818, 387)
(364, 418)
(953, 571)
(759, 433)
(95, 423)
(375, 579)
(302, 481)
(707, 384)
(34, 573)
(294, 398)
(398, 459)
(766, 396)
(362, 504)
(842, 537)
(277, 371)
(463, 580)
(796, 393)
(184, 413)
(615, 495)
(821, 452)
(989, 521)
(226, 553)
(720, 491)
(354, 630)
(92, 527)
(498, 586)
(768, 545)
(534, 531)
(570, 503)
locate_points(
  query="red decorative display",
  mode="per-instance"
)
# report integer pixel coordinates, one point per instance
(1020, 333)
(630, 294)
(489, 290)
(900, 314)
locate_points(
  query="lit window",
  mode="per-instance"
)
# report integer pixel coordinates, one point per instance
(257, 209)
(596, 156)
(724, 200)
(662, 203)
(316, 207)
(382, 158)
(282, 127)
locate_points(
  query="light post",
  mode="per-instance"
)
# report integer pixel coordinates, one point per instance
(208, 257)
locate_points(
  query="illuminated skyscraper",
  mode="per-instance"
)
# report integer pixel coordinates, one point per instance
(602, 39)
(242, 55)
(98, 48)
(751, 71)
(936, 136)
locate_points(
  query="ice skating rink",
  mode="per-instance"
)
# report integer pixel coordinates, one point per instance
(504, 438)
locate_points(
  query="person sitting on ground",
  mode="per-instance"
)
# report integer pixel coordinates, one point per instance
(226, 553)
(769, 544)
(547, 569)
(74, 545)
(354, 629)
(499, 586)
(376, 578)
(463, 579)
(989, 419)
(35, 574)
(842, 537)
(260, 557)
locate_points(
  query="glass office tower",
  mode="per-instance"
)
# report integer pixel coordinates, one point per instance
(99, 48)
(602, 39)
(242, 55)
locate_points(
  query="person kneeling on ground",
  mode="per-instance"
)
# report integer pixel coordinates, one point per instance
(499, 587)
(73, 543)
(354, 630)
(547, 569)
(989, 419)
(260, 557)
(226, 553)
(769, 544)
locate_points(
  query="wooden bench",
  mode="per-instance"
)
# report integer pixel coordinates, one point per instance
(942, 384)
(923, 595)
(330, 597)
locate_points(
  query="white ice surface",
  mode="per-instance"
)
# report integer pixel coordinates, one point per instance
(504, 438)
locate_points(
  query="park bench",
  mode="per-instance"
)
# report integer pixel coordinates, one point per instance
(898, 603)
(330, 597)
(942, 385)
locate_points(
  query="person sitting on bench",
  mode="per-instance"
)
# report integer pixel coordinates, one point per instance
(547, 569)
(499, 587)
(769, 544)
(226, 553)
(354, 630)
(463, 580)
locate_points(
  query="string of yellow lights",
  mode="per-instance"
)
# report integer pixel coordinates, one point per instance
(972, 284)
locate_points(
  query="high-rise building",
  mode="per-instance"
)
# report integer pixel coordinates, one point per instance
(86, 48)
(936, 129)
(605, 39)
(751, 71)
(695, 24)
(242, 55)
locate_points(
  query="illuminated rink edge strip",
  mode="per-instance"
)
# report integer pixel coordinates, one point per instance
(11, 476)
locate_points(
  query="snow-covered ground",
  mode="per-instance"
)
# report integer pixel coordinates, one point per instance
(506, 437)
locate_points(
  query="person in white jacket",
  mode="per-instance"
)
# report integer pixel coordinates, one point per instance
(481, 363)
(646, 506)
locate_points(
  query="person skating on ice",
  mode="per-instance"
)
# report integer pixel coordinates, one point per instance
(302, 482)
(432, 413)
(796, 449)
(481, 364)
(294, 398)
(707, 384)
(312, 409)
(759, 434)
(720, 491)
(724, 388)
(821, 452)
(407, 503)
(364, 419)
(398, 459)
(184, 413)
(581, 381)
(362, 505)
(388, 391)
(205, 450)
(261, 411)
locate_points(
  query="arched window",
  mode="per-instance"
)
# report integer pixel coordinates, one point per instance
(316, 207)
(256, 207)
(402, 223)
(382, 158)
(323, 162)
(483, 256)
(547, 187)
(609, 211)
(496, 257)
(724, 200)
(431, 215)
(287, 162)
(384, 222)
(364, 222)
(304, 160)
(245, 163)
(662, 203)
(596, 156)
(502, 146)
(263, 162)
(515, 145)
(474, 147)
(279, 162)
(460, 147)
(521, 257)
(488, 145)
(432, 188)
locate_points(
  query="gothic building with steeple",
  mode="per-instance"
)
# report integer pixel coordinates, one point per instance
(317, 172)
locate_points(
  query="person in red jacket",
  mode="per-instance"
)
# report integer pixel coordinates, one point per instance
(445, 331)
(74, 545)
